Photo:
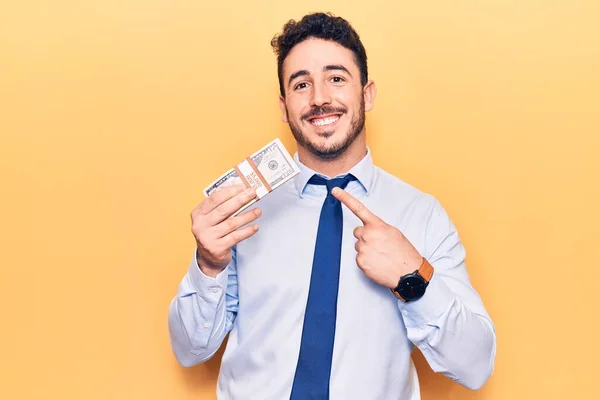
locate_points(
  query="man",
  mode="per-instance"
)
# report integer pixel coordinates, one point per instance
(347, 275)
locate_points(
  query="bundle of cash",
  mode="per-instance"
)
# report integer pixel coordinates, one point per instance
(265, 170)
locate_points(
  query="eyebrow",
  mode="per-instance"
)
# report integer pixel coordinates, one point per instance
(336, 68)
(304, 72)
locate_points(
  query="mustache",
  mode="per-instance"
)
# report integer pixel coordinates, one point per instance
(318, 111)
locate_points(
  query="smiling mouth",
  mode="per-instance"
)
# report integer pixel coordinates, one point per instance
(324, 120)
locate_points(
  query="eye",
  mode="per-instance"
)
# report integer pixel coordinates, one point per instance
(337, 79)
(300, 86)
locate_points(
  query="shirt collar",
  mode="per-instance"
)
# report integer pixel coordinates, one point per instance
(362, 171)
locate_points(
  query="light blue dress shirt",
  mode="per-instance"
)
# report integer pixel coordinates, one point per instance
(260, 297)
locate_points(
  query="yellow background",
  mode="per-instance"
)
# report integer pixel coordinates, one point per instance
(115, 114)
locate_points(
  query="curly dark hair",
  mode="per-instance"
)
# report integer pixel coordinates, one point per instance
(321, 26)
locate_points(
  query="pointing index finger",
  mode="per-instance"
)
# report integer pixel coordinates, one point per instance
(358, 208)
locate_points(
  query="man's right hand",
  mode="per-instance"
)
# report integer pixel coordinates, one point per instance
(216, 232)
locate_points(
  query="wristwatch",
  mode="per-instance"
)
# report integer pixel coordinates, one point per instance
(412, 286)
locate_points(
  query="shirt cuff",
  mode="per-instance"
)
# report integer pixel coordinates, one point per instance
(207, 287)
(438, 298)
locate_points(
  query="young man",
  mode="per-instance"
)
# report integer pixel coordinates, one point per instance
(351, 269)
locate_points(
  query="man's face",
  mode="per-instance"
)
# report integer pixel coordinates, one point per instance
(325, 102)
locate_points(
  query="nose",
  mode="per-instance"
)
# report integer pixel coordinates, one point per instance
(320, 95)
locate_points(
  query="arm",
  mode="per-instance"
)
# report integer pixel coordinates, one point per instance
(204, 309)
(202, 313)
(449, 324)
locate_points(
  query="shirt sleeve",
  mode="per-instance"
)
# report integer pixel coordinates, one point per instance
(202, 313)
(450, 324)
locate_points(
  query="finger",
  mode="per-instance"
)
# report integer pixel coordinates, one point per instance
(237, 236)
(229, 207)
(360, 260)
(232, 224)
(355, 206)
(358, 232)
(219, 196)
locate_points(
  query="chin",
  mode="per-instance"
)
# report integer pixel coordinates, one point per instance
(328, 148)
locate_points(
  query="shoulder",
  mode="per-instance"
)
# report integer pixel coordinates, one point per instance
(417, 213)
(407, 206)
(397, 191)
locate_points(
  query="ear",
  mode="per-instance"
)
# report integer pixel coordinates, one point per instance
(284, 116)
(369, 93)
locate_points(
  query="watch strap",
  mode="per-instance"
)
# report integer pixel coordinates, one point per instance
(426, 270)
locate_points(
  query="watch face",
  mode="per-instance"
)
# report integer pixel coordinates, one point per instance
(412, 287)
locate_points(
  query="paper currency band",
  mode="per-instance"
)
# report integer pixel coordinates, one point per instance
(252, 177)
(260, 176)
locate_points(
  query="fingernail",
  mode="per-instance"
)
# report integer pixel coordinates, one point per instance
(249, 191)
(335, 190)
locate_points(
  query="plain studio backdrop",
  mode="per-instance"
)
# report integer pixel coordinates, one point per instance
(114, 115)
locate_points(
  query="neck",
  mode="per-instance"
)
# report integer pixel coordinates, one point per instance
(339, 165)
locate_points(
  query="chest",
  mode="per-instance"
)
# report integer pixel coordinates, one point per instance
(275, 265)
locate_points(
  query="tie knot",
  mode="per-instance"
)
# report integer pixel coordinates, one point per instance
(340, 182)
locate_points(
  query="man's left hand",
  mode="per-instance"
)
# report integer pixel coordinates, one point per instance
(384, 253)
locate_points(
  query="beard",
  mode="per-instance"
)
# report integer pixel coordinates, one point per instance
(334, 150)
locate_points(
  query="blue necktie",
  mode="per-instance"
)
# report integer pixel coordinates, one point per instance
(311, 380)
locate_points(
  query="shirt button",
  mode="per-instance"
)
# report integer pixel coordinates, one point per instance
(405, 313)
(206, 325)
(214, 290)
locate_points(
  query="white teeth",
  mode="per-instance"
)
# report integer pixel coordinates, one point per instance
(324, 121)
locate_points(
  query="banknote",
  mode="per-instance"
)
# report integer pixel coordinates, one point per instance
(265, 170)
